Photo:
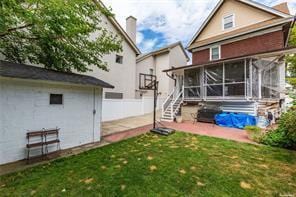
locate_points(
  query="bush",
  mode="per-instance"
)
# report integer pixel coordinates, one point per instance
(254, 133)
(285, 135)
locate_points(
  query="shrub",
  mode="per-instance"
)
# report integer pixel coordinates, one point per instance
(254, 133)
(285, 135)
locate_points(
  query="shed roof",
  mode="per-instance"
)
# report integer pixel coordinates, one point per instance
(23, 71)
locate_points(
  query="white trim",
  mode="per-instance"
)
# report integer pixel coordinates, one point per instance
(257, 5)
(233, 21)
(219, 49)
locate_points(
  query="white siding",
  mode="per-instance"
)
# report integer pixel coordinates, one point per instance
(121, 76)
(25, 106)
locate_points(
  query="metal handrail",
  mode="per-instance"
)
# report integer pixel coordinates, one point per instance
(166, 101)
(173, 111)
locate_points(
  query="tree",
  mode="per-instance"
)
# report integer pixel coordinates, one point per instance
(58, 34)
(291, 60)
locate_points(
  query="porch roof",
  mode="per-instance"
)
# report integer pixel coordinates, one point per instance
(272, 53)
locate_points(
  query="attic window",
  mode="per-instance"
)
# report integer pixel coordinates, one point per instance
(228, 22)
(119, 59)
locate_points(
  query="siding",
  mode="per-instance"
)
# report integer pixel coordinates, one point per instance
(25, 106)
(257, 44)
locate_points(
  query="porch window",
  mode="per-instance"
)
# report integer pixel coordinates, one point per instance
(234, 79)
(192, 87)
(214, 80)
(215, 53)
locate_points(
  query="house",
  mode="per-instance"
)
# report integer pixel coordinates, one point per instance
(155, 62)
(238, 61)
(32, 98)
(121, 66)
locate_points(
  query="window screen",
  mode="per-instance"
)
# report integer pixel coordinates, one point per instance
(228, 22)
(235, 72)
(119, 59)
(215, 53)
(56, 99)
(113, 95)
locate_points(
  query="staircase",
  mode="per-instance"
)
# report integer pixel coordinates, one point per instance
(171, 106)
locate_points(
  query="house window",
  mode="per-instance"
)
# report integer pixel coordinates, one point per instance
(113, 95)
(56, 99)
(119, 59)
(215, 53)
(228, 22)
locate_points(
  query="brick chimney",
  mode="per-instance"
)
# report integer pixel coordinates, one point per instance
(131, 28)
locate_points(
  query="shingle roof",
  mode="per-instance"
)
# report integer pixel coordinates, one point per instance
(22, 71)
(162, 50)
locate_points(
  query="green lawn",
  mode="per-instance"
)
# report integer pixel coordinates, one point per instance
(151, 165)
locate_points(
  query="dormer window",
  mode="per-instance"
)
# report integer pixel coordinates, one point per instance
(228, 21)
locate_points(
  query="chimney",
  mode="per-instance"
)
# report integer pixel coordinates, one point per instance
(131, 28)
(282, 7)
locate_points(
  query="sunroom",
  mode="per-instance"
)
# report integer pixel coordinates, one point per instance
(247, 79)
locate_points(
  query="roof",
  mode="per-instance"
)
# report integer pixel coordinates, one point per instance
(162, 50)
(242, 31)
(121, 30)
(282, 7)
(248, 2)
(272, 53)
(22, 71)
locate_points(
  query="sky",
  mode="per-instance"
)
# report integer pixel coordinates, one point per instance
(162, 22)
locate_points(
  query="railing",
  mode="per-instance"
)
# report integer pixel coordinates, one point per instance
(167, 102)
(174, 111)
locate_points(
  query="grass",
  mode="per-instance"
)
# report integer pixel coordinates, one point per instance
(151, 165)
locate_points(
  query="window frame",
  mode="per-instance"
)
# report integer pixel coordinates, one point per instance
(211, 52)
(233, 21)
(121, 58)
(56, 103)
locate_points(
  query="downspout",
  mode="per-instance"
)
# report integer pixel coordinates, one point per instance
(172, 77)
(94, 113)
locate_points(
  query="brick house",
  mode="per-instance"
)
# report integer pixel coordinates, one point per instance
(237, 61)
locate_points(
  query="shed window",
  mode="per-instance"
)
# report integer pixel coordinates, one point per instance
(119, 59)
(215, 53)
(228, 22)
(56, 99)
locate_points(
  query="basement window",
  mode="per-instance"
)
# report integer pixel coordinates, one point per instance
(119, 59)
(56, 99)
(228, 22)
(113, 95)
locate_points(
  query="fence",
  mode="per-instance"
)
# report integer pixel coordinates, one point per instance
(114, 109)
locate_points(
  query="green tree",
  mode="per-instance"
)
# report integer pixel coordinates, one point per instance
(291, 60)
(56, 33)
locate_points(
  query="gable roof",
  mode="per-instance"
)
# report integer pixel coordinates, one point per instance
(120, 29)
(23, 71)
(162, 50)
(247, 2)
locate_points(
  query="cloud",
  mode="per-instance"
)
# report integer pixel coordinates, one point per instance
(174, 20)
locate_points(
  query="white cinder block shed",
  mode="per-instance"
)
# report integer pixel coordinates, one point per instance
(27, 94)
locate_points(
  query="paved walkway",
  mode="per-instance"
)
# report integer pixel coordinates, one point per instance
(197, 128)
(118, 126)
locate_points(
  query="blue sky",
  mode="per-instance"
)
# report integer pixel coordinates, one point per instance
(161, 22)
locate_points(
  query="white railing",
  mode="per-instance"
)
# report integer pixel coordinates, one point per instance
(174, 111)
(167, 101)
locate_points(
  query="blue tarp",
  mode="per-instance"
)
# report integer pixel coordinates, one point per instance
(234, 120)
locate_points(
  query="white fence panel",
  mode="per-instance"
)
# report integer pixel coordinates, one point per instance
(114, 109)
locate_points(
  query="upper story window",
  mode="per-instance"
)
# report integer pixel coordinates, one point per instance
(151, 71)
(228, 21)
(119, 59)
(215, 53)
